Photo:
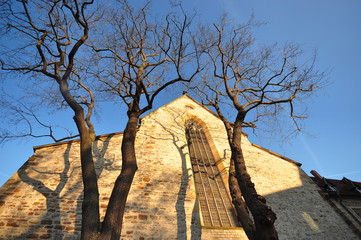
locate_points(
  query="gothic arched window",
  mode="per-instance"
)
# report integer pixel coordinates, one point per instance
(215, 205)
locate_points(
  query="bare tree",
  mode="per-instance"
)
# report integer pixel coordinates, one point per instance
(133, 56)
(257, 83)
(42, 40)
(26, 121)
(141, 58)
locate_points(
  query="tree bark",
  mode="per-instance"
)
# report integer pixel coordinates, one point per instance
(240, 206)
(90, 205)
(243, 215)
(263, 215)
(113, 220)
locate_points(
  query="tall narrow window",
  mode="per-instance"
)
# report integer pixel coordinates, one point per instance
(215, 205)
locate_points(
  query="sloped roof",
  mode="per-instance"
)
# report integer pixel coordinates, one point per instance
(118, 133)
(189, 97)
(151, 113)
(75, 141)
(277, 155)
(334, 187)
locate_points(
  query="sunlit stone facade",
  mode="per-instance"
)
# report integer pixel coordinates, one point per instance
(42, 200)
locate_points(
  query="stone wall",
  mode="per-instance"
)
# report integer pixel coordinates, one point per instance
(350, 210)
(43, 199)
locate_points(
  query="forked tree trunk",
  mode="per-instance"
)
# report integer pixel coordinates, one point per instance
(90, 206)
(113, 220)
(263, 215)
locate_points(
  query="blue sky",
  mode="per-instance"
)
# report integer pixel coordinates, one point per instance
(334, 28)
(331, 142)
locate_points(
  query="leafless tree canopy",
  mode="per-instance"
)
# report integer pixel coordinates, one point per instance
(26, 122)
(141, 54)
(268, 83)
(42, 40)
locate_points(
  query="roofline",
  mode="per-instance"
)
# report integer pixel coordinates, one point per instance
(184, 95)
(318, 176)
(201, 105)
(253, 144)
(277, 155)
(75, 140)
(117, 133)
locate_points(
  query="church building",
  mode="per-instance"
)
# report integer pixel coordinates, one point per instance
(180, 190)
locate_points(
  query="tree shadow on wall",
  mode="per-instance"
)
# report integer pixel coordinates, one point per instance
(51, 219)
(101, 162)
(61, 206)
(180, 145)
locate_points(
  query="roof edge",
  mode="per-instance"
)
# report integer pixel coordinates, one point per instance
(201, 105)
(189, 97)
(277, 155)
(149, 114)
(98, 137)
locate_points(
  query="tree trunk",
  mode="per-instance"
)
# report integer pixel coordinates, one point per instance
(263, 215)
(90, 206)
(243, 215)
(113, 220)
(240, 206)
